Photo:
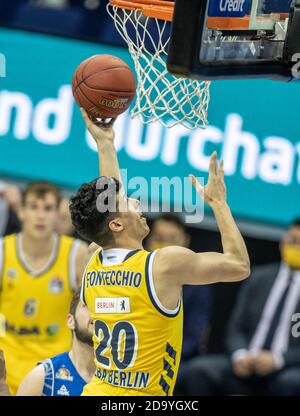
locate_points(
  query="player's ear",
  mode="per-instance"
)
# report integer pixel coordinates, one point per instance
(70, 322)
(116, 225)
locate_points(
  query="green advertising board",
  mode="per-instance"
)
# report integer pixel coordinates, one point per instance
(254, 126)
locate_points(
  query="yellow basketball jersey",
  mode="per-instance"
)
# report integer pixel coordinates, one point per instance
(34, 306)
(137, 341)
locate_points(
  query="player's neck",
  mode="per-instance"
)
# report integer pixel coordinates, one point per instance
(126, 243)
(82, 356)
(36, 248)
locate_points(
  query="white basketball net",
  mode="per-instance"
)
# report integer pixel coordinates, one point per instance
(161, 96)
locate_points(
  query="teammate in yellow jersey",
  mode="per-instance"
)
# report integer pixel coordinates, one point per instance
(39, 271)
(135, 296)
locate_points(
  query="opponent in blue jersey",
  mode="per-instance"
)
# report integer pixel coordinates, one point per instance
(65, 374)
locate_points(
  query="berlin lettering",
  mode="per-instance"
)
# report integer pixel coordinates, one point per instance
(138, 380)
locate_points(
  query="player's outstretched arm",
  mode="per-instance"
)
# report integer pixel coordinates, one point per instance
(186, 267)
(104, 137)
(4, 391)
(32, 384)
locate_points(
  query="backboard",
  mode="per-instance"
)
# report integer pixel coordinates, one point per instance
(230, 39)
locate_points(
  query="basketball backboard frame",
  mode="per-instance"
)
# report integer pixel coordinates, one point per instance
(191, 23)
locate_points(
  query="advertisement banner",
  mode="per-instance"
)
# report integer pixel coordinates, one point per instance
(254, 126)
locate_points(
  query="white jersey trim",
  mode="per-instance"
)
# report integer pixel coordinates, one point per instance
(50, 262)
(151, 288)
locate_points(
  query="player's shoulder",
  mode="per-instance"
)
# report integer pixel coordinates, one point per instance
(71, 240)
(7, 247)
(51, 364)
(8, 238)
(32, 384)
(94, 248)
(172, 260)
(59, 357)
(169, 255)
(77, 247)
(92, 257)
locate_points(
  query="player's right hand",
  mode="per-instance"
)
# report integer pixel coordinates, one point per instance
(243, 367)
(99, 131)
(215, 190)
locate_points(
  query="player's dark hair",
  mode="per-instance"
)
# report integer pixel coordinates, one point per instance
(93, 207)
(171, 218)
(74, 302)
(40, 189)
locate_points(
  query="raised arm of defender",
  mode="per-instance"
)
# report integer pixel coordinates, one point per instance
(184, 266)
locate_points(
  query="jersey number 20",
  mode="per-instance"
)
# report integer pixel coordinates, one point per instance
(121, 330)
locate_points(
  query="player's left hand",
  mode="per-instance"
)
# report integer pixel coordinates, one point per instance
(264, 363)
(214, 192)
(99, 131)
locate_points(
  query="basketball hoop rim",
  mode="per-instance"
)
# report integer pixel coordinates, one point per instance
(156, 9)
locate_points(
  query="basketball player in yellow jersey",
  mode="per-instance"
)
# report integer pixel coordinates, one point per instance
(135, 296)
(38, 273)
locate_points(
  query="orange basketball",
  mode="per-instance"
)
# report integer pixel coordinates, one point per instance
(104, 86)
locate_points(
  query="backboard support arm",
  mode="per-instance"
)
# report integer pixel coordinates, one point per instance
(202, 44)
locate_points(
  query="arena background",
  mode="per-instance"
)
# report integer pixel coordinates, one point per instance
(253, 124)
